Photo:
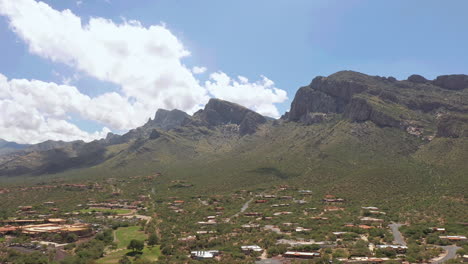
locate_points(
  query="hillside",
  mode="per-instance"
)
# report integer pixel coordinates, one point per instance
(365, 137)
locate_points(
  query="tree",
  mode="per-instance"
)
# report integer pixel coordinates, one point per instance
(136, 245)
(71, 238)
(153, 239)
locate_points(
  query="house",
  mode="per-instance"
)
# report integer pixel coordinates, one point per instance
(25, 208)
(209, 222)
(333, 209)
(371, 220)
(7, 229)
(397, 248)
(306, 192)
(302, 229)
(333, 200)
(370, 208)
(339, 234)
(366, 260)
(204, 232)
(438, 229)
(56, 221)
(78, 229)
(260, 201)
(188, 239)
(282, 213)
(280, 205)
(200, 255)
(250, 226)
(253, 214)
(286, 197)
(319, 218)
(377, 212)
(269, 196)
(251, 248)
(302, 255)
(453, 238)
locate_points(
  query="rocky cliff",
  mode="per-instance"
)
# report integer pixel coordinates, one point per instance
(220, 112)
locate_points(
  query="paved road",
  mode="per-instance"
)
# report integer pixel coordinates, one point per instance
(397, 236)
(244, 207)
(451, 252)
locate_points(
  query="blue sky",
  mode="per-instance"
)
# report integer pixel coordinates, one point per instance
(288, 42)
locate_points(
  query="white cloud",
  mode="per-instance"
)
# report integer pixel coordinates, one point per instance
(145, 62)
(198, 70)
(259, 96)
(35, 111)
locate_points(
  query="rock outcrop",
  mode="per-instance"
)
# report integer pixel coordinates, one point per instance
(326, 95)
(452, 82)
(415, 78)
(452, 126)
(166, 120)
(220, 112)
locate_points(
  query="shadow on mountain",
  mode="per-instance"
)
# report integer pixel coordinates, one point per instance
(59, 160)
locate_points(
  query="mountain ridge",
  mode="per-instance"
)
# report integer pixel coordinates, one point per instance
(418, 107)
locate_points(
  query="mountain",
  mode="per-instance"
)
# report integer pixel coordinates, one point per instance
(366, 137)
(9, 147)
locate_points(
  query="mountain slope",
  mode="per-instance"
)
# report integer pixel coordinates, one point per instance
(366, 137)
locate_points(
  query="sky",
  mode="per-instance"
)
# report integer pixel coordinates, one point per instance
(78, 69)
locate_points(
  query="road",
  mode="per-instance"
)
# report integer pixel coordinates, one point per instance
(451, 252)
(243, 208)
(397, 236)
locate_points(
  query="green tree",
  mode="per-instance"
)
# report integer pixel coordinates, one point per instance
(136, 245)
(153, 239)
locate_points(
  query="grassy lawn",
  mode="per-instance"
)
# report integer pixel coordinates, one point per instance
(125, 234)
(123, 237)
(112, 211)
(148, 253)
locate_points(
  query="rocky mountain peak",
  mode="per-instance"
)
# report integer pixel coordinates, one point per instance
(166, 119)
(220, 112)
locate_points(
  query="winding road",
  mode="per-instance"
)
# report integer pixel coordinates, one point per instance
(450, 251)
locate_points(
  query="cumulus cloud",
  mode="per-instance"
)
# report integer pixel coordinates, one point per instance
(146, 63)
(259, 96)
(35, 111)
